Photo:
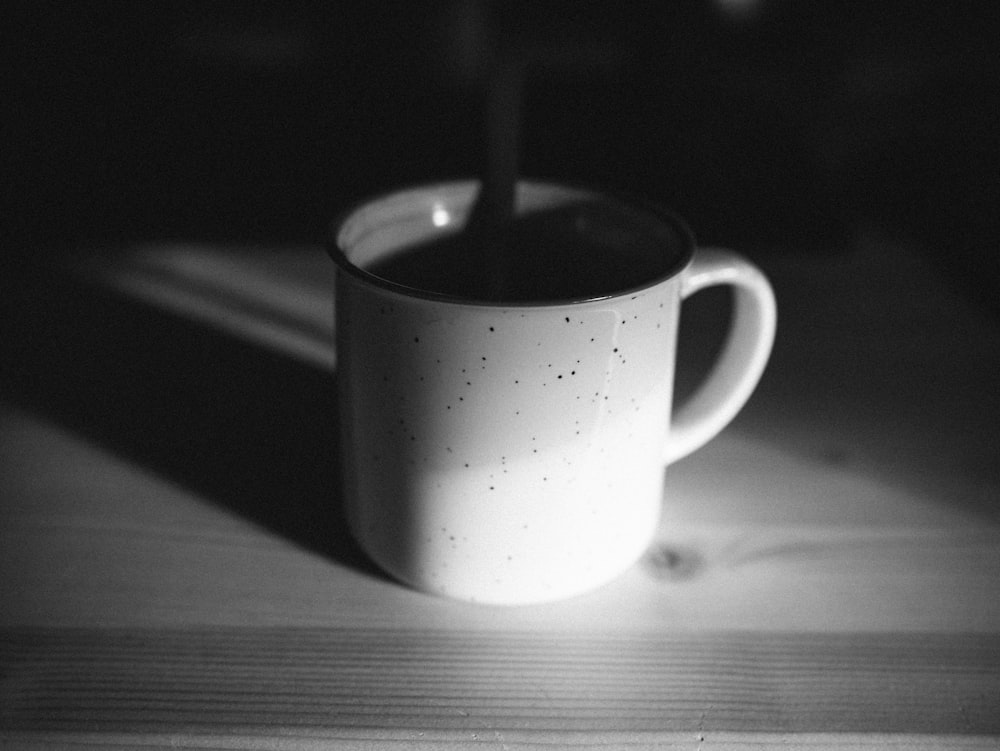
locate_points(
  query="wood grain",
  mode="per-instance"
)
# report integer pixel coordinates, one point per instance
(243, 681)
(174, 571)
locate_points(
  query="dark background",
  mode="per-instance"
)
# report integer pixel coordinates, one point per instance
(792, 125)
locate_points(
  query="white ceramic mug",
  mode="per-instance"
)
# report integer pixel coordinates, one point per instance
(513, 452)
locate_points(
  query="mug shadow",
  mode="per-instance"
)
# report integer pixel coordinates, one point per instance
(246, 428)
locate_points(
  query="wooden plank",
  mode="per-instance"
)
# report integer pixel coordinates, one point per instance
(90, 539)
(366, 740)
(173, 571)
(245, 681)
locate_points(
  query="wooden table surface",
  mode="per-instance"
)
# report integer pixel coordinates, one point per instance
(174, 571)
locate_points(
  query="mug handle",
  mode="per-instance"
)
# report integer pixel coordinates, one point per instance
(735, 374)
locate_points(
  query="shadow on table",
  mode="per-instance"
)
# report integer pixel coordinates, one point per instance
(249, 429)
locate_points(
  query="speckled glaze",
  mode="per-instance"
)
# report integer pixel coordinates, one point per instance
(501, 453)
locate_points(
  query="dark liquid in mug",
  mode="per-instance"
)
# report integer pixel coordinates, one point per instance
(554, 255)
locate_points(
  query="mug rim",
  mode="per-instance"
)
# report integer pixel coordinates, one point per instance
(675, 222)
